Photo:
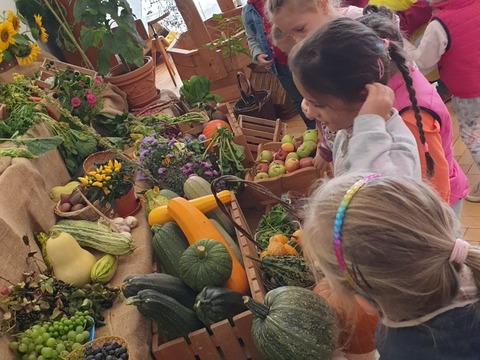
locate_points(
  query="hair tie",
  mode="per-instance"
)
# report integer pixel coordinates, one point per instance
(386, 42)
(381, 68)
(459, 251)
(425, 147)
(338, 224)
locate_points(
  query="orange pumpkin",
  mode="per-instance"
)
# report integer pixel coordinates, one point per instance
(210, 128)
(360, 338)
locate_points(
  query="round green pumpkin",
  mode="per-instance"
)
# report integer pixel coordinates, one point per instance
(293, 323)
(205, 263)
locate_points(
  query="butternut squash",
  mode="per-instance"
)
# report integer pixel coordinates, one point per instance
(195, 225)
(160, 215)
(70, 263)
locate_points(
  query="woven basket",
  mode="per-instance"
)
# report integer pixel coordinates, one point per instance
(100, 157)
(87, 213)
(78, 353)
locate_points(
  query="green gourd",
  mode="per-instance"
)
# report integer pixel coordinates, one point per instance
(293, 323)
(214, 304)
(206, 262)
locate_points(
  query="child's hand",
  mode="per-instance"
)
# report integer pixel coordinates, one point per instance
(322, 166)
(379, 100)
(262, 61)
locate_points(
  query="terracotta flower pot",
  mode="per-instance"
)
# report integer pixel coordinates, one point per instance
(127, 204)
(7, 65)
(138, 84)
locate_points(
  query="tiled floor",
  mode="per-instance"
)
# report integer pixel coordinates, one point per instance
(470, 218)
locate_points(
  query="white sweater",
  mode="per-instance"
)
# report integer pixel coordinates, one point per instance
(375, 145)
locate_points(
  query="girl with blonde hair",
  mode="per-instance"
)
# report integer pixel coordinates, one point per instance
(390, 245)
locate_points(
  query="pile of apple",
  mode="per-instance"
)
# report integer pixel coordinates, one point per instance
(293, 154)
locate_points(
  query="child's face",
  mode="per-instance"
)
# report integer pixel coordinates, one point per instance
(299, 22)
(333, 112)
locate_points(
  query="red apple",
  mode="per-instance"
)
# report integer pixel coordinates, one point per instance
(292, 164)
(280, 155)
(262, 167)
(306, 162)
(288, 147)
(298, 143)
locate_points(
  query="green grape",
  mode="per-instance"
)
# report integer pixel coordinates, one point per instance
(51, 342)
(60, 347)
(36, 327)
(32, 356)
(79, 329)
(46, 336)
(68, 322)
(55, 354)
(51, 329)
(75, 345)
(24, 357)
(38, 341)
(63, 353)
(35, 333)
(86, 335)
(13, 345)
(38, 348)
(41, 357)
(71, 335)
(31, 347)
(64, 337)
(79, 338)
(26, 340)
(22, 347)
(61, 329)
(42, 330)
(28, 332)
(47, 352)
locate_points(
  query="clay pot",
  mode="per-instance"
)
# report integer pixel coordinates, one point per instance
(138, 84)
(7, 65)
(127, 204)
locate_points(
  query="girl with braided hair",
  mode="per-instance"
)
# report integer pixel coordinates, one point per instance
(423, 110)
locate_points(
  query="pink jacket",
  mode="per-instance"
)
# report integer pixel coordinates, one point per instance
(429, 99)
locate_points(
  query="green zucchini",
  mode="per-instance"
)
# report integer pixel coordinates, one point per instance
(92, 235)
(162, 283)
(214, 304)
(231, 243)
(195, 187)
(287, 270)
(169, 243)
(173, 319)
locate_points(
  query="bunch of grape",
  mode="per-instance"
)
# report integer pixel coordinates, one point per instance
(107, 351)
(53, 339)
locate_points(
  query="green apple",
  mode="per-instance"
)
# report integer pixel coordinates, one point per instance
(288, 139)
(292, 155)
(304, 150)
(261, 176)
(276, 170)
(310, 135)
(266, 155)
(312, 144)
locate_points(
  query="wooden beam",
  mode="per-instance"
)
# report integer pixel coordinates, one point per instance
(226, 5)
(194, 22)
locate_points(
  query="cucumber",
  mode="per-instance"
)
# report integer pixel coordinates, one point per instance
(162, 283)
(173, 319)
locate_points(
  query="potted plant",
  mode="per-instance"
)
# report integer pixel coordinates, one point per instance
(109, 26)
(112, 182)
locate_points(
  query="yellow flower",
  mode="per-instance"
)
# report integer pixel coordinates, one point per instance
(34, 50)
(99, 177)
(42, 34)
(166, 161)
(108, 178)
(14, 19)
(6, 35)
(92, 173)
(1, 59)
(110, 164)
(97, 184)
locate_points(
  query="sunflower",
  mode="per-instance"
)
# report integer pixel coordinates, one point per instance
(26, 57)
(1, 56)
(42, 33)
(7, 32)
(14, 19)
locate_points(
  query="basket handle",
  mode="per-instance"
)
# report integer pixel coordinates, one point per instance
(250, 90)
(234, 180)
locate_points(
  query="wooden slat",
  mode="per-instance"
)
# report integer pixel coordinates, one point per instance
(243, 330)
(255, 120)
(227, 341)
(252, 126)
(173, 350)
(203, 346)
(257, 136)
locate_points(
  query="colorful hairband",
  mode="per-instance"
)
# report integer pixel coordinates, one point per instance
(338, 224)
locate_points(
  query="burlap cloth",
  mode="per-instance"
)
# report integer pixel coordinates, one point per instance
(25, 208)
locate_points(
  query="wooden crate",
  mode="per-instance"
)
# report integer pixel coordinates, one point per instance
(47, 72)
(227, 340)
(299, 181)
(260, 131)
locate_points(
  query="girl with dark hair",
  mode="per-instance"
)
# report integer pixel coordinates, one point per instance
(423, 110)
(339, 69)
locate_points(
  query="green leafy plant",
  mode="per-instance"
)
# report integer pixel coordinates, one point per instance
(231, 38)
(196, 92)
(109, 26)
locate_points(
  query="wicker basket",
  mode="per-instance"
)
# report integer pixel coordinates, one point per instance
(100, 157)
(78, 353)
(87, 213)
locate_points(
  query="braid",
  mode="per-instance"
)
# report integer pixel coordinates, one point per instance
(396, 56)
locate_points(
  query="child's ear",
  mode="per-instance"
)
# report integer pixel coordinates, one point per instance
(366, 305)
